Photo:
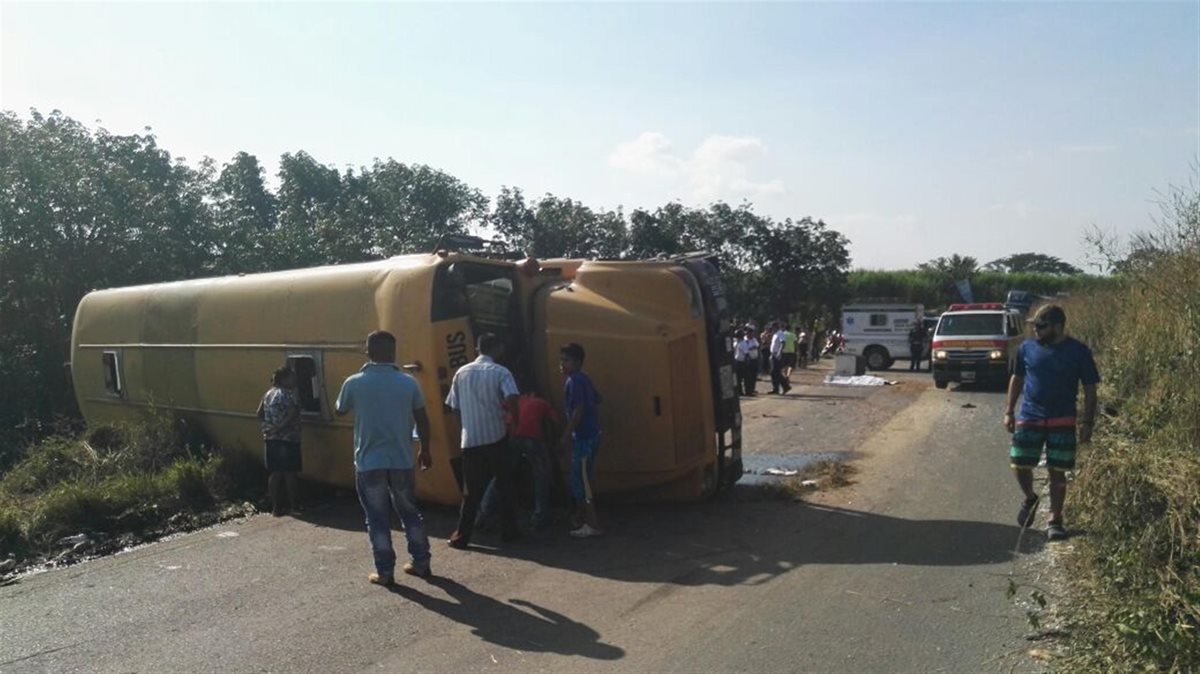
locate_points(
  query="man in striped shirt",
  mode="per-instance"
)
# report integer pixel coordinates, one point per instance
(481, 393)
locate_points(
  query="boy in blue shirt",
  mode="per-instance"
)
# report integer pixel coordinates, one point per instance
(1048, 371)
(386, 402)
(583, 432)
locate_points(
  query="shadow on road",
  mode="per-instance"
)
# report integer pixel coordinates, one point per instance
(535, 629)
(738, 539)
(734, 543)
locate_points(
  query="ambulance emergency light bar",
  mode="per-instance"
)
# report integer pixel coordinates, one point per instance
(977, 306)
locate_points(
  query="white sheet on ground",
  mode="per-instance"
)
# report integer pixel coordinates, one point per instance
(860, 380)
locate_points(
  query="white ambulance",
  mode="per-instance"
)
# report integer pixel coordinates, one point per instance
(878, 331)
(976, 343)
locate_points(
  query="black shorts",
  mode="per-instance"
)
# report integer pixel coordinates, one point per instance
(282, 456)
(788, 360)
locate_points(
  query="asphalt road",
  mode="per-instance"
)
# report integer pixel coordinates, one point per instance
(904, 571)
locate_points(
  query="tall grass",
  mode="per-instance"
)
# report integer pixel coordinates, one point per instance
(115, 479)
(936, 290)
(1137, 570)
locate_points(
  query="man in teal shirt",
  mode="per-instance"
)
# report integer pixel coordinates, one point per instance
(386, 402)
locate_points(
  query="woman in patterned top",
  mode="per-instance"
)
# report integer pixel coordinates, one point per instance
(279, 412)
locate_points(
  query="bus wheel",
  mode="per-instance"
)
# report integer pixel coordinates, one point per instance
(877, 358)
(940, 384)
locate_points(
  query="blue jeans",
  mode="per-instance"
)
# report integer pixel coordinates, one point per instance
(538, 456)
(381, 493)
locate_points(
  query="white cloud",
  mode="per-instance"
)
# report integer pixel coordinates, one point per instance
(719, 166)
(648, 154)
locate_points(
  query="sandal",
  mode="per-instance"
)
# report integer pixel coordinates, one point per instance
(1028, 511)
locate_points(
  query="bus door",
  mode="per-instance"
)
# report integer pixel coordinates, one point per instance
(470, 299)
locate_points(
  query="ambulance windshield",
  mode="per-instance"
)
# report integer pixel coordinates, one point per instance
(971, 324)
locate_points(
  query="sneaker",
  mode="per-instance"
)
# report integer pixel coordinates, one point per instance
(1028, 511)
(1055, 531)
(381, 579)
(418, 571)
(585, 531)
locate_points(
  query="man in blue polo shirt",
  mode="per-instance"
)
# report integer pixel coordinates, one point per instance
(1048, 371)
(386, 402)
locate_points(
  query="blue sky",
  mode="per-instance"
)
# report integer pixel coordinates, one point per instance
(917, 130)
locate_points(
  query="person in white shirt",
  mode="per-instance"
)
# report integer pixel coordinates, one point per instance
(779, 382)
(745, 356)
(480, 393)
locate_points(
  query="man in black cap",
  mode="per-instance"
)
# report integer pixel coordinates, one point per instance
(1048, 371)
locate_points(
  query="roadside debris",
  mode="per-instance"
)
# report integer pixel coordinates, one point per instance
(7, 565)
(782, 472)
(968, 406)
(72, 541)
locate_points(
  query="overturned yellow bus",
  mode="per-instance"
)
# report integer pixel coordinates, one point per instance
(656, 334)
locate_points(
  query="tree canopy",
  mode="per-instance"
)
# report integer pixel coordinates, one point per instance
(1032, 262)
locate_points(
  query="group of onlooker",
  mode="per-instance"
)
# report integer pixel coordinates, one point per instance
(499, 426)
(776, 351)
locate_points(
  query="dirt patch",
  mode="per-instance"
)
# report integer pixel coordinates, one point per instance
(817, 419)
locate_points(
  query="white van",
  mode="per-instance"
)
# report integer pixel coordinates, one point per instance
(879, 331)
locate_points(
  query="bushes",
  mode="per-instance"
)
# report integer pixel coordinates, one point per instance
(116, 480)
(1137, 604)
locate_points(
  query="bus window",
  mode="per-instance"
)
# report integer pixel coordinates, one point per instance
(112, 373)
(308, 382)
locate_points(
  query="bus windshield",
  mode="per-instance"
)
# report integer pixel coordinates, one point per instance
(971, 324)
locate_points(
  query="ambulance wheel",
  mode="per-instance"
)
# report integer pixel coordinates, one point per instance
(940, 384)
(877, 358)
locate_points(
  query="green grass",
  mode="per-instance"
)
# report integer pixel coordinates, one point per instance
(116, 480)
(1135, 575)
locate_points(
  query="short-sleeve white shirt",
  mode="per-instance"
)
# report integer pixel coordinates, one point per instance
(477, 394)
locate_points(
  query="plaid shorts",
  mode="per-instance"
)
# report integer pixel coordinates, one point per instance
(1056, 436)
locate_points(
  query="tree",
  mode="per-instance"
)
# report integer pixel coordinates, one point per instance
(308, 232)
(1032, 262)
(414, 206)
(801, 267)
(557, 227)
(956, 267)
(244, 216)
(81, 210)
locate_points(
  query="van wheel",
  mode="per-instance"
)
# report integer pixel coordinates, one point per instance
(877, 358)
(941, 384)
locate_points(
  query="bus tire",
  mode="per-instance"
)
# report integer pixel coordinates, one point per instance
(877, 358)
(940, 384)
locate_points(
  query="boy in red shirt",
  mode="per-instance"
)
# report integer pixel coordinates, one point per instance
(535, 418)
